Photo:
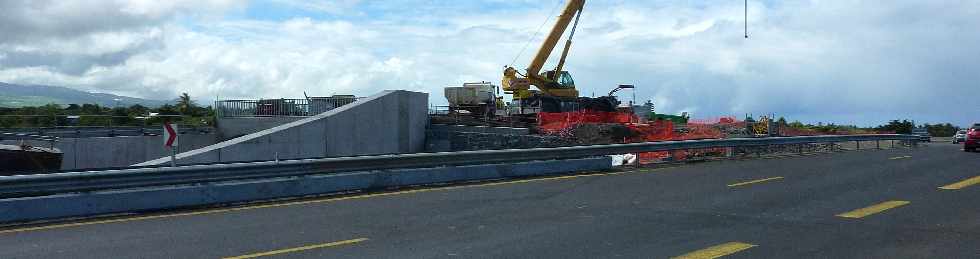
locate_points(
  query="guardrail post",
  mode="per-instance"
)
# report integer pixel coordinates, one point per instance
(858, 144)
(878, 144)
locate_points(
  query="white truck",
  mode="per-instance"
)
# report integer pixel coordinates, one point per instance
(478, 99)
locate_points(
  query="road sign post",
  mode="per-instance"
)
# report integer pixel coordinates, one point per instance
(170, 141)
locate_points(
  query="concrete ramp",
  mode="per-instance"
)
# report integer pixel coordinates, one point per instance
(391, 122)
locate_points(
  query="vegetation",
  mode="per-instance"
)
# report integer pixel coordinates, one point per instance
(899, 127)
(186, 112)
(941, 130)
(893, 126)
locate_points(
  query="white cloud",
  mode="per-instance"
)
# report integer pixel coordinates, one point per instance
(851, 62)
(333, 7)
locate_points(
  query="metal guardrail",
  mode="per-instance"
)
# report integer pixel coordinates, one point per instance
(27, 136)
(46, 184)
(280, 107)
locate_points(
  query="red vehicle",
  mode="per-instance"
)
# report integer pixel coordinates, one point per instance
(972, 139)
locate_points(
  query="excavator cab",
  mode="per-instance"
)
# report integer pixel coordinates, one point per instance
(563, 80)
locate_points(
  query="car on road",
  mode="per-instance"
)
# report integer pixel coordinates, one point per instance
(960, 136)
(923, 134)
(972, 138)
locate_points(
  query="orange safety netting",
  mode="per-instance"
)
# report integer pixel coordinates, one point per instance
(700, 131)
(719, 120)
(790, 131)
(654, 131)
(557, 121)
(658, 130)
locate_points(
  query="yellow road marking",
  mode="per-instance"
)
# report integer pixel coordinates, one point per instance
(297, 249)
(755, 181)
(313, 201)
(716, 251)
(864, 212)
(962, 184)
(899, 157)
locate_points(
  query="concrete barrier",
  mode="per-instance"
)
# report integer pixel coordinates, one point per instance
(233, 127)
(392, 122)
(103, 152)
(479, 129)
(160, 198)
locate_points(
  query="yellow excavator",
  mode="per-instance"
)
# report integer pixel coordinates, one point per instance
(556, 89)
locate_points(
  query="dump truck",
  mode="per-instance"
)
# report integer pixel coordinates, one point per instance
(478, 99)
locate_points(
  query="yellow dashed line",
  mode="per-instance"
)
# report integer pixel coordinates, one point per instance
(962, 184)
(716, 251)
(899, 157)
(298, 249)
(864, 212)
(755, 181)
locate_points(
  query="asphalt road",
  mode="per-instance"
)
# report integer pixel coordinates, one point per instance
(796, 207)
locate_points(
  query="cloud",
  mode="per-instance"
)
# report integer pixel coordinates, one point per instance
(842, 61)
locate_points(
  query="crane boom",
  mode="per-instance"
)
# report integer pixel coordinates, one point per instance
(571, 10)
(553, 83)
(568, 45)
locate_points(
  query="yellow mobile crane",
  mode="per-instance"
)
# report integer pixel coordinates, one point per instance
(557, 89)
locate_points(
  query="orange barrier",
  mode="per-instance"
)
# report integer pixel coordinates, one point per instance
(658, 130)
(654, 131)
(557, 121)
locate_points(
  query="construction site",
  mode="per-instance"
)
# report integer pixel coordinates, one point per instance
(547, 104)
(531, 107)
(464, 129)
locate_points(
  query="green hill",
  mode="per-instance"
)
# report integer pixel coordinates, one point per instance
(13, 95)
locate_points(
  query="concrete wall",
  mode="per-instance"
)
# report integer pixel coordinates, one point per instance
(390, 122)
(229, 128)
(90, 153)
(480, 129)
(447, 138)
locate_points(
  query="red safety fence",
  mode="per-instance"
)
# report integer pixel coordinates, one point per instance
(790, 131)
(659, 130)
(557, 121)
(719, 120)
(654, 131)
(700, 131)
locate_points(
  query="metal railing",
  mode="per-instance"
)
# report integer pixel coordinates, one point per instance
(67, 121)
(280, 107)
(93, 132)
(46, 184)
(50, 140)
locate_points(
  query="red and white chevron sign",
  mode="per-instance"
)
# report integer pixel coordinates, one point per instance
(169, 135)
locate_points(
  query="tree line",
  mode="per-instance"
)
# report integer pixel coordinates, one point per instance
(185, 111)
(895, 126)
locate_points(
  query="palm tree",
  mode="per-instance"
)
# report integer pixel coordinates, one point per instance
(184, 104)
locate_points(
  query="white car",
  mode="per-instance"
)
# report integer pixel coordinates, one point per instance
(959, 137)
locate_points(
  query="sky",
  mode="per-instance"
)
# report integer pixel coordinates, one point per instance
(831, 61)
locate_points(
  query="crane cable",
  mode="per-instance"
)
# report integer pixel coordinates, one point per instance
(546, 20)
